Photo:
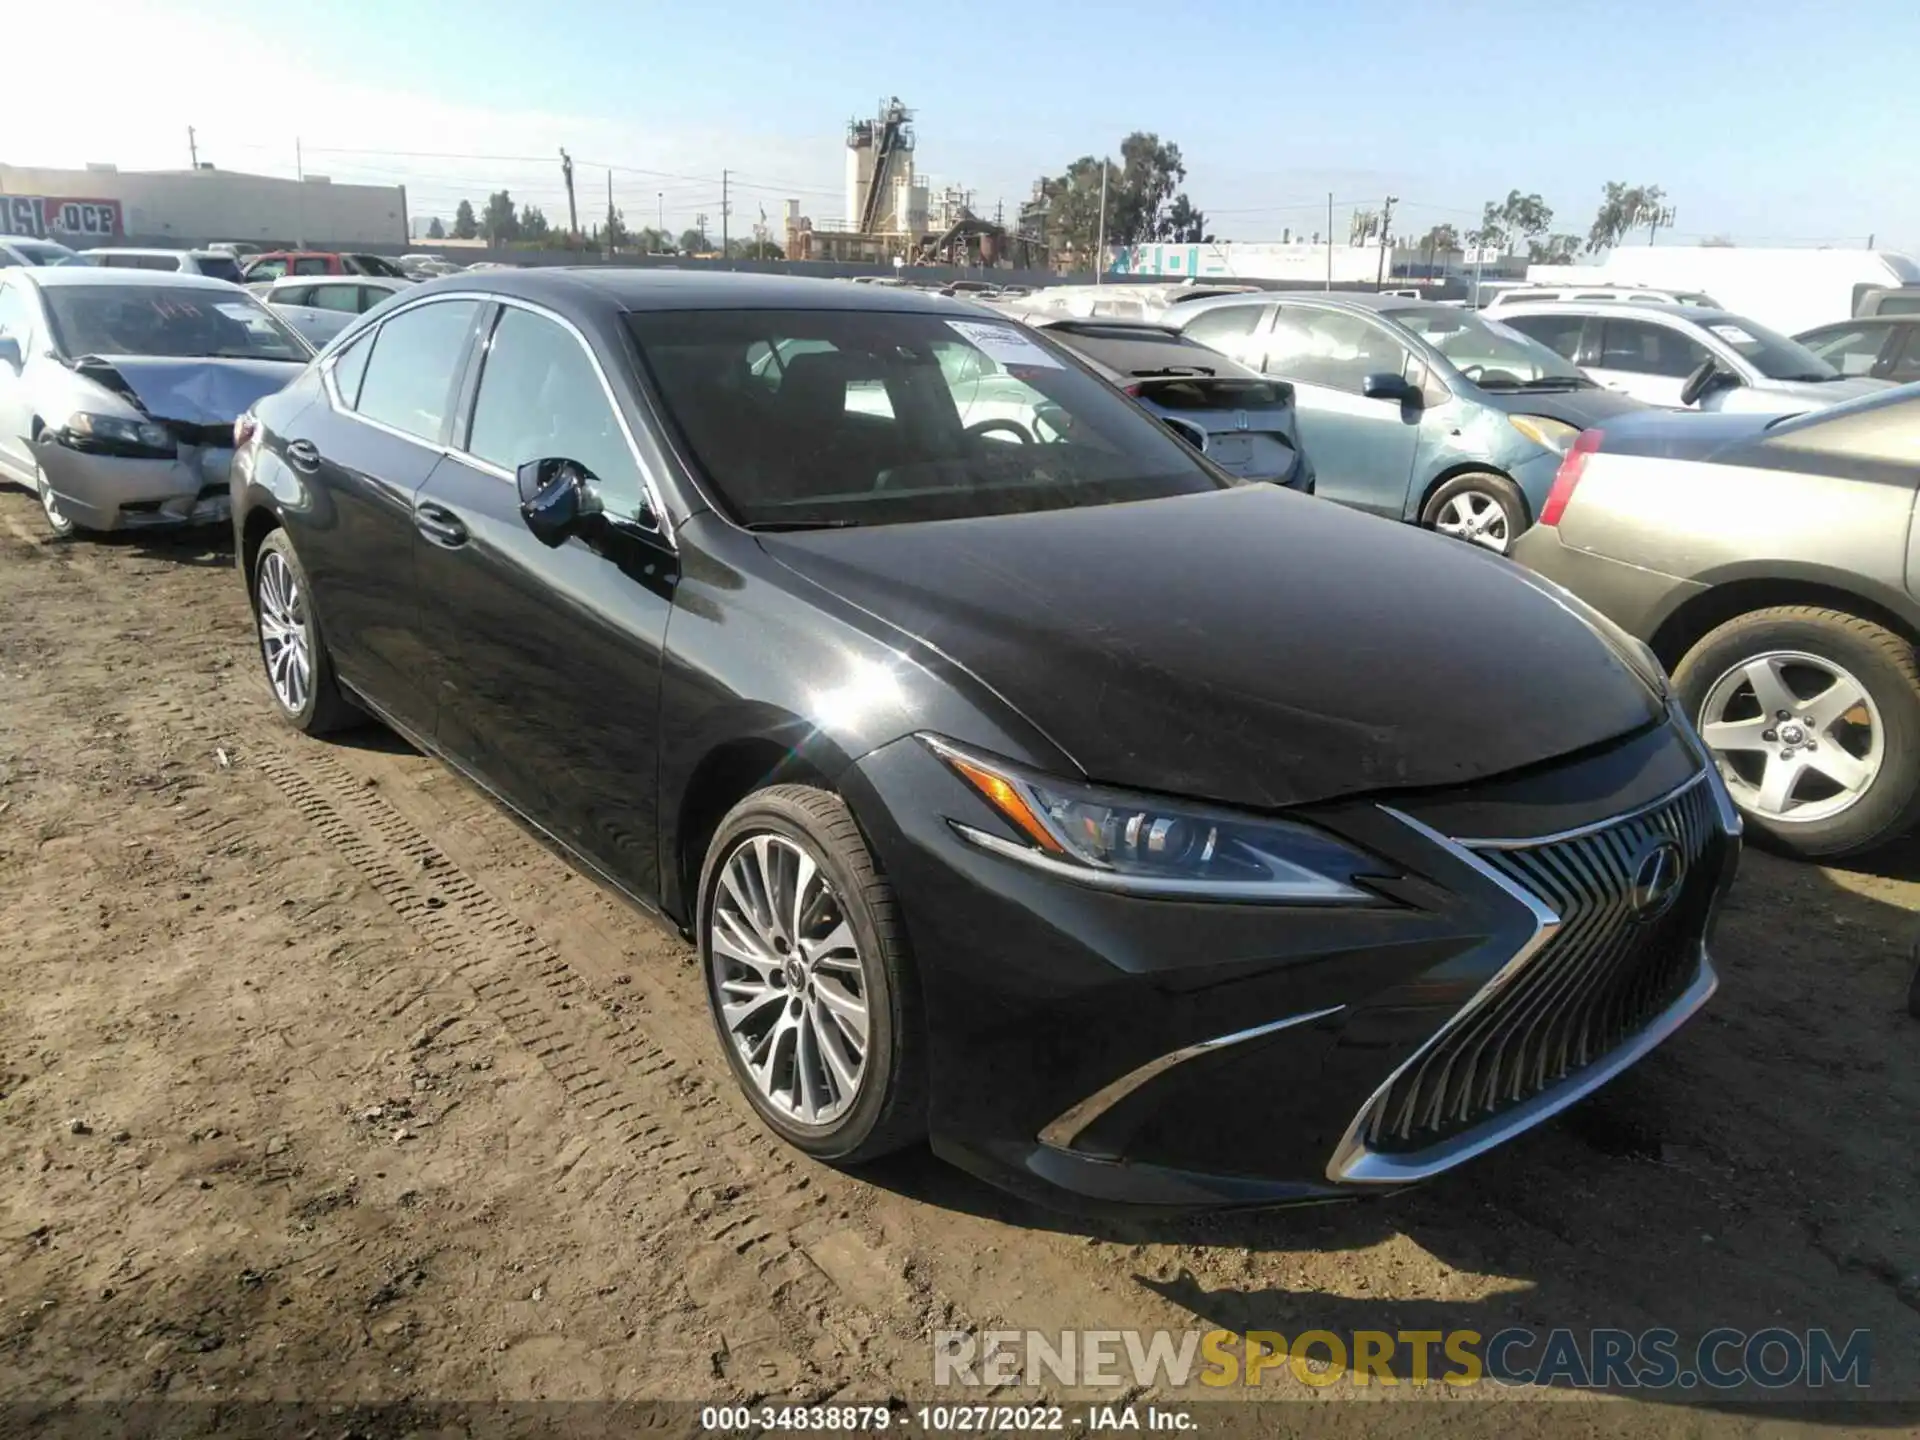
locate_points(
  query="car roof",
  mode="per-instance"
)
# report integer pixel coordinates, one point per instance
(1698, 314)
(1324, 299)
(58, 276)
(638, 288)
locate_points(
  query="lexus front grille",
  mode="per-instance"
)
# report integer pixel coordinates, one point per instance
(1621, 908)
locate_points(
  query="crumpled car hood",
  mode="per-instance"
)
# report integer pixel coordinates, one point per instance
(1251, 647)
(194, 391)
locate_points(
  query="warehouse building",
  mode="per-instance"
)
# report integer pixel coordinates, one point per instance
(104, 205)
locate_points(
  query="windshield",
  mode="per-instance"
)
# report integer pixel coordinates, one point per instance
(167, 320)
(1487, 353)
(38, 252)
(1772, 354)
(852, 417)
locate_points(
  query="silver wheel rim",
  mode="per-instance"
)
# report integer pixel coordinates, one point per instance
(283, 633)
(788, 979)
(51, 505)
(1475, 516)
(1796, 736)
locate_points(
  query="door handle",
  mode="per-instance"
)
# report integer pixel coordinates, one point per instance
(439, 525)
(303, 455)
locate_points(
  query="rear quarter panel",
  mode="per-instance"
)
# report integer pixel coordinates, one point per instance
(1711, 523)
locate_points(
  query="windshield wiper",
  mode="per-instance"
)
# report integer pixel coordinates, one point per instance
(1558, 382)
(1809, 378)
(1174, 372)
(777, 527)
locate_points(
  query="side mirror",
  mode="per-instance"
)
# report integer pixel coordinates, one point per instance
(10, 355)
(1706, 378)
(556, 498)
(1388, 386)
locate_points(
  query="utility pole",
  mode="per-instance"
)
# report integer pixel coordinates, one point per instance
(609, 214)
(724, 208)
(299, 165)
(193, 149)
(700, 224)
(1386, 221)
(1656, 220)
(660, 200)
(1329, 240)
(573, 214)
(1100, 249)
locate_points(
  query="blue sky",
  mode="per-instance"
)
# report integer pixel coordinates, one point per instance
(1765, 121)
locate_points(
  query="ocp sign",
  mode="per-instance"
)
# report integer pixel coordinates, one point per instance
(45, 216)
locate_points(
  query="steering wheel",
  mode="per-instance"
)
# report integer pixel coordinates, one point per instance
(1014, 428)
(1472, 372)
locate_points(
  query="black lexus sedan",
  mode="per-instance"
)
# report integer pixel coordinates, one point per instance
(1145, 837)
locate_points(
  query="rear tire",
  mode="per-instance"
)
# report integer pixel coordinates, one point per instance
(299, 669)
(1795, 644)
(1479, 507)
(805, 959)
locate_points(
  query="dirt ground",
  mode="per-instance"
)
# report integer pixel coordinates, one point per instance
(320, 1080)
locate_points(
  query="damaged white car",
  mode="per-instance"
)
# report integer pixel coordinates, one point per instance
(119, 391)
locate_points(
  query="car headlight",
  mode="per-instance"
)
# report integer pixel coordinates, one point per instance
(1546, 432)
(111, 432)
(1146, 845)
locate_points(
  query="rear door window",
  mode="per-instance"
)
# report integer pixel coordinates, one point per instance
(312, 265)
(343, 298)
(292, 295)
(1640, 347)
(411, 374)
(1230, 329)
(1906, 365)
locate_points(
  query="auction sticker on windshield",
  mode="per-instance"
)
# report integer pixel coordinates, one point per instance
(1002, 343)
(1733, 334)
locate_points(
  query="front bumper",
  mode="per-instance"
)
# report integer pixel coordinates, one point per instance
(114, 492)
(1098, 1051)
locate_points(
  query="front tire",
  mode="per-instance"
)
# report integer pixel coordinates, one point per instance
(808, 977)
(58, 523)
(1480, 507)
(1814, 718)
(299, 669)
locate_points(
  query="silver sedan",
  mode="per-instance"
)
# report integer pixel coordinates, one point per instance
(119, 390)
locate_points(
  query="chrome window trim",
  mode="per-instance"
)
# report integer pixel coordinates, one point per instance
(1071, 1124)
(663, 521)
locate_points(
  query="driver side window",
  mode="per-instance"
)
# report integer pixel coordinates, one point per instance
(1331, 348)
(540, 398)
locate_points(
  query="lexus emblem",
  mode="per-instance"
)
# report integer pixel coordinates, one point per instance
(1656, 880)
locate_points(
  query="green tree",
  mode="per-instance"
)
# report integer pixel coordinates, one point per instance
(1526, 217)
(1623, 209)
(1554, 250)
(1143, 199)
(465, 227)
(1440, 240)
(653, 242)
(754, 250)
(435, 230)
(1182, 222)
(693, 242)
(533, 224)
(1492, 233)
(499, 223)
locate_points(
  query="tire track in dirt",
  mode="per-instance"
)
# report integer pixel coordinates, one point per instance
(749, 1199)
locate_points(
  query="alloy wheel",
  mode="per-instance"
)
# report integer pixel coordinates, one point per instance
(1476, 516)
(1797, 737)
(789, 978)
(283, 632)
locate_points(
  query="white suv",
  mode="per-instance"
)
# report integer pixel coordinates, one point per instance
(1660, 353)
(1631, 294)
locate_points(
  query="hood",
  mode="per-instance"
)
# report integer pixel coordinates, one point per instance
(1250, 646)
(1685, 434)
(1584, 408)
(192, 391)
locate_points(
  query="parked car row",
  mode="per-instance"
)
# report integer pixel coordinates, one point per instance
(844, 626)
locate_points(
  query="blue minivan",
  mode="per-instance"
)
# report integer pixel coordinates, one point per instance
(1413, 409)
